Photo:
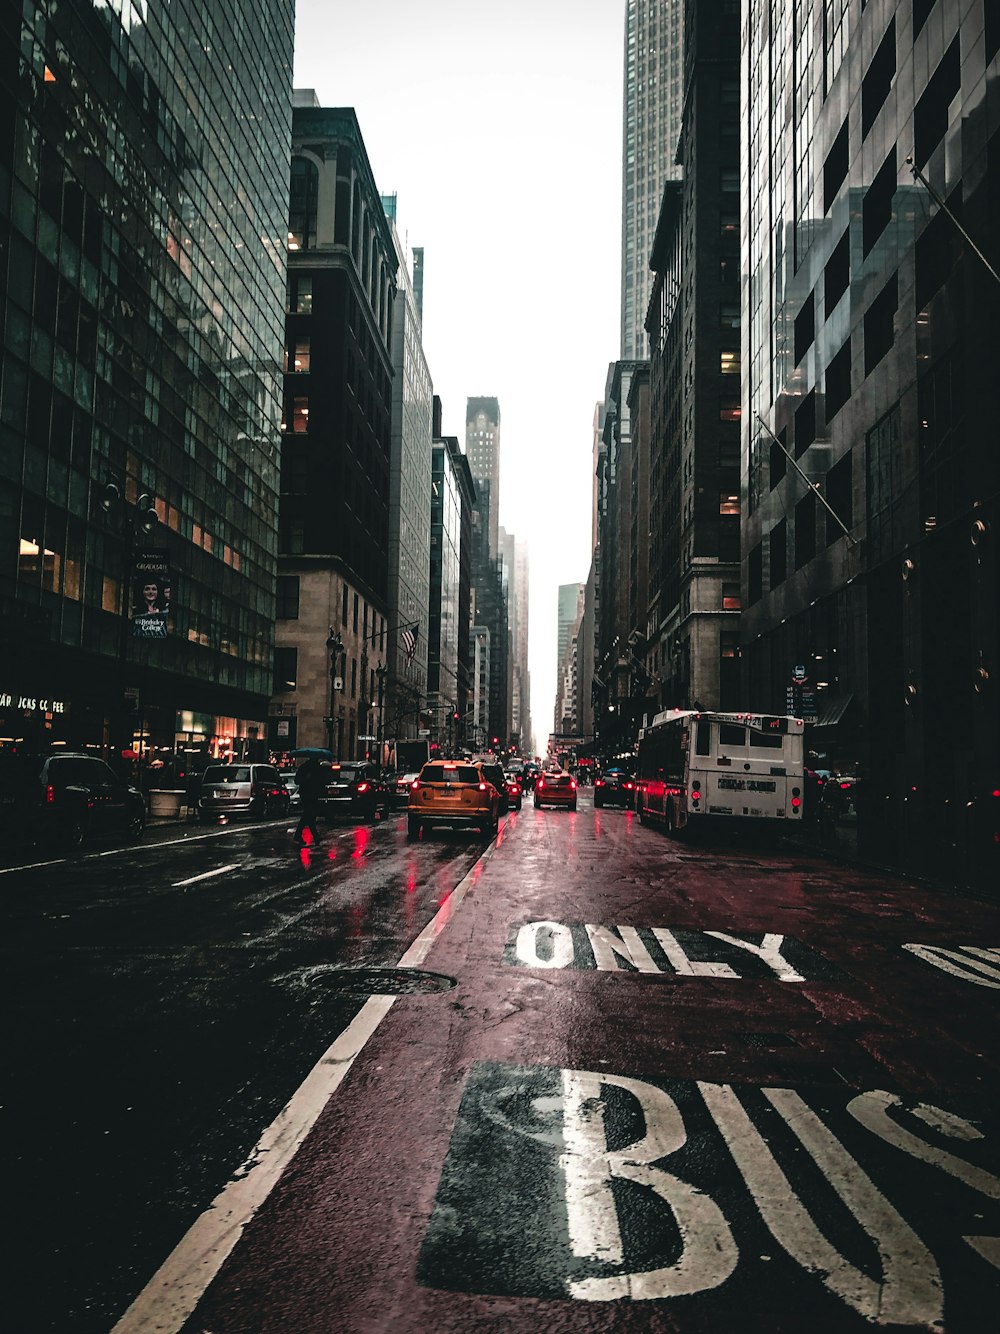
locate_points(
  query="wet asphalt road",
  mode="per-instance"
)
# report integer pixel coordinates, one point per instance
(684, 1087)
(153, 1028)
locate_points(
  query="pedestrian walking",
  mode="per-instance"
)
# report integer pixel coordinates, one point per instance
(311, 782)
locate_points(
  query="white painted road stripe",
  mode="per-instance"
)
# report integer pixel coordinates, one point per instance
(205, 875)
(178, 1285)
(139, 847)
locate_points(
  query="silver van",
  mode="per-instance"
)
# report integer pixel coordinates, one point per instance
(242, 789)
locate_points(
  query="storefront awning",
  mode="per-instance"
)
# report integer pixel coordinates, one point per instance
(832, 710)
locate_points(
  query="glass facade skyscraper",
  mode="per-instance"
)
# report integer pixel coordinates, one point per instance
(144, 156)
(653, 90)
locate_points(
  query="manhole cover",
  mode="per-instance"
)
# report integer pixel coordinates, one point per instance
(379, 981)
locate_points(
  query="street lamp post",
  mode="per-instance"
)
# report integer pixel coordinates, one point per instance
(131, 522)
(334, 646)
(381, 671)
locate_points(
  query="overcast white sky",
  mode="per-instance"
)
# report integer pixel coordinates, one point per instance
(499, 128)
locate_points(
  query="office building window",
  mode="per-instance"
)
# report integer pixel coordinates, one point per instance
(286, 665)
(288, 597)
(838, 382)
(805, 423)
(930, 115)
(840, 497)
(805, 531)
(303, 197)
(876, 211)
(835, 167)
(837, 274)
(778, 553)
(805, 327)
(880, 324)
(878, 79)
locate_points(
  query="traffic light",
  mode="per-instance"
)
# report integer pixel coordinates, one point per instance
(455, 716)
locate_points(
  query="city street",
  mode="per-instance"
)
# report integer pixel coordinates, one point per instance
(604, 1080)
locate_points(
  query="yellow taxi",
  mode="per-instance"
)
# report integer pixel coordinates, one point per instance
(452, 792)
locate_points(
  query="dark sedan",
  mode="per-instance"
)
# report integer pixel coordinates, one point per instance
(64, 800)
(614, 787)
(354, 788)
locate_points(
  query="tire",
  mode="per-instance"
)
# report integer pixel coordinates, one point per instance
(573, 807)
(598, 803)
(136, 827)
(412, 827)
(518, 806)
(76, 833)
(538, 804)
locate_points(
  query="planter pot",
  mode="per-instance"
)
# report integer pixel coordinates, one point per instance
(165, 803)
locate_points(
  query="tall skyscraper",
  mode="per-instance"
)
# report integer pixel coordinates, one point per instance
(335, 456)
(482, 448)
(143, 216)
(514, 552)
(409, 498)
(869, 365)
(651, 123)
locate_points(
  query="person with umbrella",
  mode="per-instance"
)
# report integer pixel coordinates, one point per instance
(312, 784)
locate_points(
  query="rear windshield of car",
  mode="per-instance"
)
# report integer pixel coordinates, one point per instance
(560, 780)
(345, 773)
(228, 773)
(440, 773)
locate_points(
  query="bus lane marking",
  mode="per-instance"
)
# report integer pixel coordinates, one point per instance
(969, 962)
(675, 952)
(868, 1209)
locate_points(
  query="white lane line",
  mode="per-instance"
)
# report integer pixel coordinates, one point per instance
(177, 1287)
(139, 847)
(205, 875)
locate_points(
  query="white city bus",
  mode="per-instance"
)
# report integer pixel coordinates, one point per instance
(698, 768)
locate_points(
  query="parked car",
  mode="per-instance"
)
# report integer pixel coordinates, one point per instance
(355, 788)
(291, 781)
(401, 784)
(614, 787)
(64, 800)
(448, 792)
(242, 789)
(555, 789)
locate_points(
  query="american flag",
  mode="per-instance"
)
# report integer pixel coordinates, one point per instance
(409, 638)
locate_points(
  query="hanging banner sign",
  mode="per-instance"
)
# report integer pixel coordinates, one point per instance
(151, 593)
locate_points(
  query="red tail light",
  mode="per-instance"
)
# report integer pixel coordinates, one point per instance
(844, 787)
(796, 803)
(572, 783)
(627, 787)
(363, 787)
(598, 782)
(50, 795)
(482, 787)
(415, 785)
(541, 782)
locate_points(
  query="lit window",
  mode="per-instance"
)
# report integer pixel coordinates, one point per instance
(729, 414)
(728, 503)
(300, 415)
(729, 363)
